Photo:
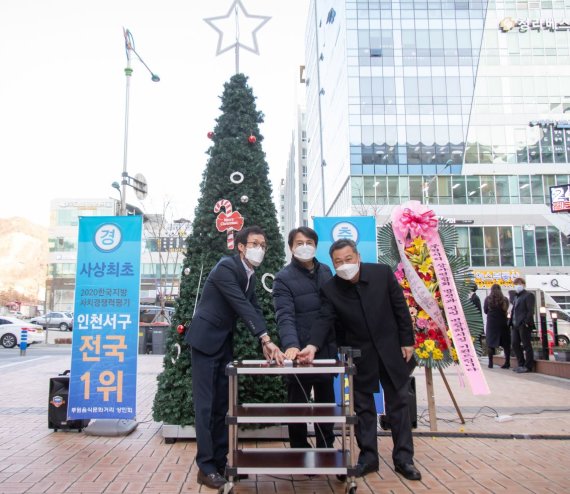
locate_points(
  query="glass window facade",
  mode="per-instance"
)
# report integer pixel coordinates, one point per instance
(462, 105)
(507, 246)
(455, 189)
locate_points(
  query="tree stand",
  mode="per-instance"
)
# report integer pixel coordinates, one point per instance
(431, 399)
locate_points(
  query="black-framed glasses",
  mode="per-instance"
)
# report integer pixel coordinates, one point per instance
(257, 244)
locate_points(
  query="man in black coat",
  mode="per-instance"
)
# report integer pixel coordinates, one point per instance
(522, 324)
(297, 303)
(367, 305)
(229, 293)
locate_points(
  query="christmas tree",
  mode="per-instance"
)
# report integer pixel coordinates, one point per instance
(237, 172)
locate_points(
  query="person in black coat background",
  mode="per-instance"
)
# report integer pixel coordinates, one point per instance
(297, 303)
(522, 324)
(229, 293)
(475, 299)
(366, 305)
(497, 333)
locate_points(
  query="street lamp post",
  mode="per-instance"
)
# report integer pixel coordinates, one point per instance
(126, 180)
(430, 181)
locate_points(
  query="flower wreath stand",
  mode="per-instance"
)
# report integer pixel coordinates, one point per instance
(436, 284)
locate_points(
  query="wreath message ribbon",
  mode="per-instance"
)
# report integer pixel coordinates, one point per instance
(412, 220)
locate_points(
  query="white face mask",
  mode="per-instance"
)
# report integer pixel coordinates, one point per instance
(347, 271)
(304, 252)
(519, 288)
(255, 255)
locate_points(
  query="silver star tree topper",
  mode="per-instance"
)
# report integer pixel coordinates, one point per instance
(254, 24)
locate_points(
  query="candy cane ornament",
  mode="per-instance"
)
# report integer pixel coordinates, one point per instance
(227, 205)
(228, 221)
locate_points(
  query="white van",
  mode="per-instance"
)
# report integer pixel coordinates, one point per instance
(563, 325)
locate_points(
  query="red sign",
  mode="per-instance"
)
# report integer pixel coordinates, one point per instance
(232, 221)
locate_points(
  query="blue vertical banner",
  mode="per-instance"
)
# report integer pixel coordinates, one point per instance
(103, 374)
(361, 229)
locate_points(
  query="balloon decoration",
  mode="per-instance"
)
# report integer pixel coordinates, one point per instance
(252, 139)
(180, 328)
(228, 221)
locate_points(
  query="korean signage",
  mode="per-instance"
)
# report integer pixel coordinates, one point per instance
(361, 229)
(525, 25)
(485, 278)
(560, 198)
(106, 318)
(166, 244)
(544, 124)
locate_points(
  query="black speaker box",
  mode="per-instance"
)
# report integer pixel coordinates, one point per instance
(57, 406)
(412, 403)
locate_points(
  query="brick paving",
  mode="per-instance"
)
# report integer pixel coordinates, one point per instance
(34, 459)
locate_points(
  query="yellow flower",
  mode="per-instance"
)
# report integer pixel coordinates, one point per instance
(423, 314)
(425, 267)
(454, 354)
(437, 354)
(430, 345)
(418, 243)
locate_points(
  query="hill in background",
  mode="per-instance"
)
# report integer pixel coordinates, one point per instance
(23, 260)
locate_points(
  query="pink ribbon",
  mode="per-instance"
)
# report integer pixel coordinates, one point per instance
(414, 219)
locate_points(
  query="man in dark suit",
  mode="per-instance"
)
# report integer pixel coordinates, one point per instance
(522, 324)
(366, 304)
(229, 293)
(297, 303)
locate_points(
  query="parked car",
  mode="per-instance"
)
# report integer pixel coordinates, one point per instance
(61, 320)
(11, 330)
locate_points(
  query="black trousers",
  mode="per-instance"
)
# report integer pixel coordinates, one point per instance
(397, 410)
(299, 391)
(210, 394)
(506, 343)
(521, 342)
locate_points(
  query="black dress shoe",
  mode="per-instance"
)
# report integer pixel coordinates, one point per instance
(506, 366)
(522, 370)
(211, 480)
(241, 476)
(364, 468)
(409, 471)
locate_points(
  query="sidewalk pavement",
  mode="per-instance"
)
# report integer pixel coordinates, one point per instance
(485, 458)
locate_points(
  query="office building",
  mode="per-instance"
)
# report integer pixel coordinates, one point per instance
(462, 105)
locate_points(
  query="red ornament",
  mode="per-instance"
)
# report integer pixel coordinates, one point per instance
(252, 139)
(210, 135)
(180, 328)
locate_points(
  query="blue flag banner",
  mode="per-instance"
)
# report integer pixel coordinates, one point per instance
(361, 229)
(103, 374)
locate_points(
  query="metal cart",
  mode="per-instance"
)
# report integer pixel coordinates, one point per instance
(276, 461)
